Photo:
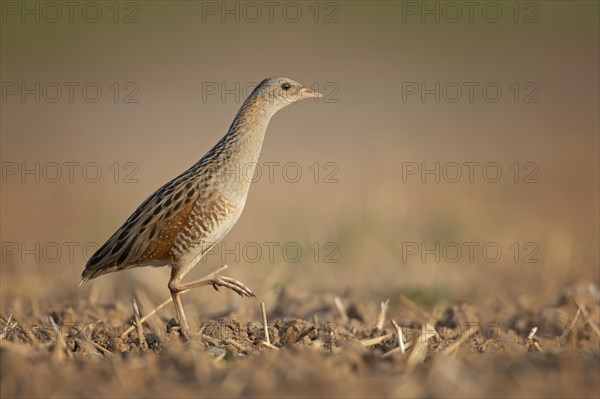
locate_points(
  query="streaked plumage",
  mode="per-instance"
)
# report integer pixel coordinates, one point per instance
(184, 218)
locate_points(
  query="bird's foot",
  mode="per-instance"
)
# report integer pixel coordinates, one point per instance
(234, 285)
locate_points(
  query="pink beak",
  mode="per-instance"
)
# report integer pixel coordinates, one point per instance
(309, 93)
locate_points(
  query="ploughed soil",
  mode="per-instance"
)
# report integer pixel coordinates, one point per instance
(319, 346)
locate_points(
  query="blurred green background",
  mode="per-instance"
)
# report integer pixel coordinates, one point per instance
(158, 66)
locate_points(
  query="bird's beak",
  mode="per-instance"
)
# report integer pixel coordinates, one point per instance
(305, 92)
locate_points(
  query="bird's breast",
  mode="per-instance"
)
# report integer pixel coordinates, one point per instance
(208, 222)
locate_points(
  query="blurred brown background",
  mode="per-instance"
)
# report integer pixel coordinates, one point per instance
(168, 58)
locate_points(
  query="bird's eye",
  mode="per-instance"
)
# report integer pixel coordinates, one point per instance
(285, 86)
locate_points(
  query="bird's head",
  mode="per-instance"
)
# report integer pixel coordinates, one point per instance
(281, 92)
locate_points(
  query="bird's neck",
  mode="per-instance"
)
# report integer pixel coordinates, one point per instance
(247, 132)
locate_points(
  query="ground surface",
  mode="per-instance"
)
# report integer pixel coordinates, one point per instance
(319, 349)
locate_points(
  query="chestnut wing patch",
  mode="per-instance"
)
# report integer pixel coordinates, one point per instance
(165, 233)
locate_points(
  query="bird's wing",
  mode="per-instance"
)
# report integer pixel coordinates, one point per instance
(148, 235)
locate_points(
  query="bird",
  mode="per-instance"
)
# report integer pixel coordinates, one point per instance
(182, 220)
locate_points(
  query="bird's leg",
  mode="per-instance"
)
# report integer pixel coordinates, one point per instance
(177, 288)
(219, 281)
(185, 327)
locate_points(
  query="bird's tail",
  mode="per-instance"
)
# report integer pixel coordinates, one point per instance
(89, 274)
